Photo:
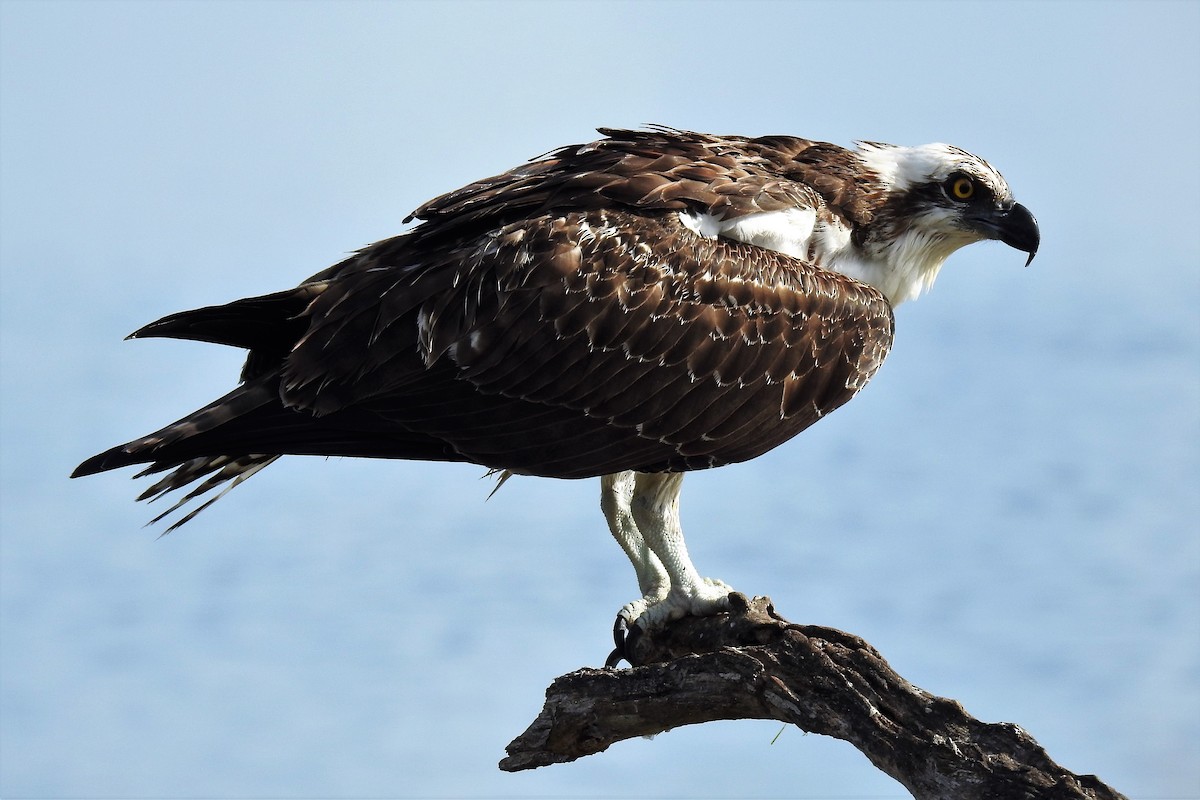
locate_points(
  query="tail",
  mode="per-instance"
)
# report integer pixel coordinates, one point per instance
(232, 438)
(179, 448)
(266, 326)
(229, 440)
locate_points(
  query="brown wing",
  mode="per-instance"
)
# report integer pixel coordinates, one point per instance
(590, 342)
(557, 320)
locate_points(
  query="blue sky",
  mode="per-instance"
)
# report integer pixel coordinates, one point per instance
(1008, 512)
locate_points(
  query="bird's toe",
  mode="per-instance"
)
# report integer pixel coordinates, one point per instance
(708, 598)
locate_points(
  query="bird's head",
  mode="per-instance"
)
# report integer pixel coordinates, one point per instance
(936, 198)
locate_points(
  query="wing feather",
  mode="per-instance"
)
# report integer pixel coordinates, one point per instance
(644, 339)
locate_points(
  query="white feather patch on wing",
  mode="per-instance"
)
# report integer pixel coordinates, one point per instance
(705, 225)
(788, 231)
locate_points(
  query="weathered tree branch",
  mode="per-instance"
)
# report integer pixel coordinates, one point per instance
(753, 664)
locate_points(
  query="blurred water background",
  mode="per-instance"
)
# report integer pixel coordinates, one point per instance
(1008, 512)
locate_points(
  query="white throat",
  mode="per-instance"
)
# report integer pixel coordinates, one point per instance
(904, 270)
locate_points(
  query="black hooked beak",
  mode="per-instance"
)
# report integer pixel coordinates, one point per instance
(1017, 228)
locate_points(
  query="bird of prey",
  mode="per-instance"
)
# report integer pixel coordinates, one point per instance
(653, 302)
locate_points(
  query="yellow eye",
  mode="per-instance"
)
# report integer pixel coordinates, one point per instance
(962, 188)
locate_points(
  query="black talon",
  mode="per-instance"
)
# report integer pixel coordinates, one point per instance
(625, 635)
(620, 628)
(613, 659)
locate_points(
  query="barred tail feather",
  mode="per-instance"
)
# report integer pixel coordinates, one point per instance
(180, 447)
(218, 469)
(221, 445)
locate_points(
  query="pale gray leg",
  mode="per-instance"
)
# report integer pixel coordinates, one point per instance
(645, 520)
(616, 494)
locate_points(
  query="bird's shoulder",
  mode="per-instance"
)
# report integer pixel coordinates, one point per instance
(726, 177)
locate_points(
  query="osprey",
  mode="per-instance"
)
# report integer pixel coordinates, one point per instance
(650, 303)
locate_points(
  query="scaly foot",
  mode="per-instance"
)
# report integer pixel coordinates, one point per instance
(710, 597)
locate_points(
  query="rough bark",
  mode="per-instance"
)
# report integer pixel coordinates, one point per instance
(753, 664)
